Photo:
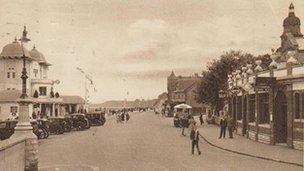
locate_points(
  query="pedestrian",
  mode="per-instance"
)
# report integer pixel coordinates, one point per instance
(183, 124)
(223, 125)
(230, 126)
(127, 116)
(201, 119)
(194, 136)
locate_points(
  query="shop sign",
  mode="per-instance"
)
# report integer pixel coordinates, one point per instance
(265, 82)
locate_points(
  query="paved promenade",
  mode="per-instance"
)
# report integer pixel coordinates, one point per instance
(244, 145)
(147, 142)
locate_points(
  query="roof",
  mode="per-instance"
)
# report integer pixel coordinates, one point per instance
(38, 56)
(182, 106)
(172, 74)
(184, 84)
(14, 50)
(72, 100)
(9, 95)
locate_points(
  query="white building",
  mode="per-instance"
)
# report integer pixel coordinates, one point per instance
(39, 86)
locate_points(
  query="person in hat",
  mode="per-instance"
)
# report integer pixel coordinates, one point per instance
(194, 137)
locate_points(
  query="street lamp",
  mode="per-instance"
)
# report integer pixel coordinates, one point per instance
(24, 76)
(24, 127)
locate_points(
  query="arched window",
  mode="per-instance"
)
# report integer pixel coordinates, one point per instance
(297, 106)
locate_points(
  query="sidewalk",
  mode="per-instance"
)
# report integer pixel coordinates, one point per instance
(243, 145)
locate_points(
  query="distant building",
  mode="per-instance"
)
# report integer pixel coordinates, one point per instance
(39, 86)
(184, 89)
(160, 104)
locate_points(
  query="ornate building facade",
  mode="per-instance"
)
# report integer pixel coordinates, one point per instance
(39, 86)
(268, 105)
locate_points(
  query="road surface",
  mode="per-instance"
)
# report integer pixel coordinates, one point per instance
(146, 142)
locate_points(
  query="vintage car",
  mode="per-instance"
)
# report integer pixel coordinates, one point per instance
(56, 125)
(68, 123)
(182, 114)
(80, 122)
(41, 128)
(7, 128)
(96, 119)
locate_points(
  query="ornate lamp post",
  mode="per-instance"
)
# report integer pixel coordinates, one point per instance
(24, 127)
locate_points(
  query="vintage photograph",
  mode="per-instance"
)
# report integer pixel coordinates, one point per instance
(151, 85)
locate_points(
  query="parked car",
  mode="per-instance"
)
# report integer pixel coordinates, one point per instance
(41, 128)
(67, 123)
(80, 122)
(56, 125)
(96, 119)
(7, 129)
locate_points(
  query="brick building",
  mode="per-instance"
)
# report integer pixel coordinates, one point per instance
(183, 89)
(267, 105)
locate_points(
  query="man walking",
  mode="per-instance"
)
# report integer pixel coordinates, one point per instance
(223, 125)
(201, 119)
(184, 122)
(230, 126)
(194, 136)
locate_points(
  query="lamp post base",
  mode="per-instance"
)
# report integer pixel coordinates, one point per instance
(24, 129)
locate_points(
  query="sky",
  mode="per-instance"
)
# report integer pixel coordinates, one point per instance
(129, 47)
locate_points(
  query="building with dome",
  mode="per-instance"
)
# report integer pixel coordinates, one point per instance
(267, 104)
(292, 38)
(39, 86)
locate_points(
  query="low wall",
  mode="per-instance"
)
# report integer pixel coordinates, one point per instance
(12, 154)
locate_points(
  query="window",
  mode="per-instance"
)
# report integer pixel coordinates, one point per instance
(8, 75)
(35, 71)
(264, 107)
(42, 91)
(13, 74)
(14, 109)
(297, 106)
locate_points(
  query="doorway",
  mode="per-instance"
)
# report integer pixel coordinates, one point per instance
(280, 118)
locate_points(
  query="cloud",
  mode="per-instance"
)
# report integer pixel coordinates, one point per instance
(141, 55)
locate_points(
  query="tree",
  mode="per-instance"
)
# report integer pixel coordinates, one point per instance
(215, 77)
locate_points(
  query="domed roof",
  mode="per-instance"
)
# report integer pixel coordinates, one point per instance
(292, 20)
(38, 56)
(14, 50)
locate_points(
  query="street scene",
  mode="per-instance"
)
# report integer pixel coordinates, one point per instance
(146, 142)
(151, 85)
